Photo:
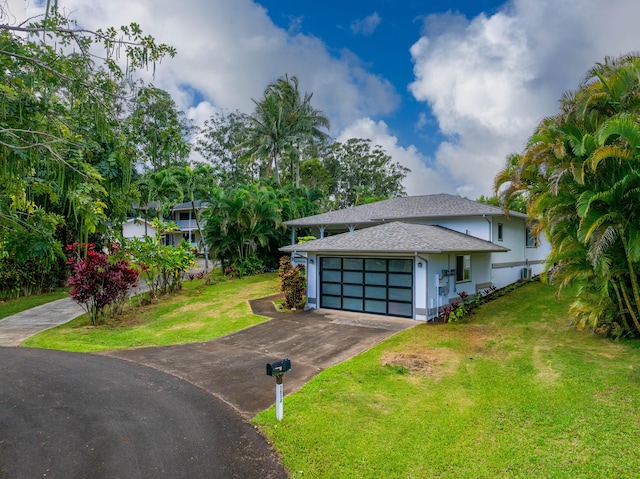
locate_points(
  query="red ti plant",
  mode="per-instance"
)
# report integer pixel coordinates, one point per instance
(100, 283)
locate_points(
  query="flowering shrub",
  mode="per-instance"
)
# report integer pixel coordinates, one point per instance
(100, 282)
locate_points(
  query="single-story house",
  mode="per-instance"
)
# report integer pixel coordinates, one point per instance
(411, 256)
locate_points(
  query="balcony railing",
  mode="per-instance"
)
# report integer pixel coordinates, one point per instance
(187, 225)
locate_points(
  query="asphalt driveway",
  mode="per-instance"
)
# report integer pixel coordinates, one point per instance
(68, 415)
(233, 368)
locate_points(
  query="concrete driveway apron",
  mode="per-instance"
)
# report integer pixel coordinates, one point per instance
(233, 368)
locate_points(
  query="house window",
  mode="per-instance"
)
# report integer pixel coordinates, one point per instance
(189, 236)
(500, 232)
(532, 240)
(463, 268)
(184, 216)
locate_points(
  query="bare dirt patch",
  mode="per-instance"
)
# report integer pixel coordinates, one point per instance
(432, 362)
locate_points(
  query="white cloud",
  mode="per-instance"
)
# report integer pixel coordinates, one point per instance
(367, 25)
(230, 51)
(421, 180)
(490, 80)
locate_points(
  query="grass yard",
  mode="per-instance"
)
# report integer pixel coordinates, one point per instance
(14, 306)
(517, 393)
(197, 313)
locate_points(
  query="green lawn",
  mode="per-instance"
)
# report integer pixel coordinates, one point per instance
(517, 393)
(197, 313)
(14, 306)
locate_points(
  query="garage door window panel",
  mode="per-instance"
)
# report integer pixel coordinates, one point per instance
(352, 304)
(375, 292)
(373, 306)
(354, 290)
(397, 294)
(400, 280)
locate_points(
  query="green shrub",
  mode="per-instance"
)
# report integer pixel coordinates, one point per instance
(293, 283)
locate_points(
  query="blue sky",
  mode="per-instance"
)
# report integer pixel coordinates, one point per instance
(380, 33)
(449, 88)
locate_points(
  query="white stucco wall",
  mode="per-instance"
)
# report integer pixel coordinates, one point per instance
(134, 229)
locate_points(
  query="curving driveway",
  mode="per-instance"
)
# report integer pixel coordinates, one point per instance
(66, 415)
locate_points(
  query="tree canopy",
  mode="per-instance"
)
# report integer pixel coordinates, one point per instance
(580, 178)
(65, 165)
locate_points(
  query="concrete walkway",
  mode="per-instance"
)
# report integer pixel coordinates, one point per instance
(15, 329)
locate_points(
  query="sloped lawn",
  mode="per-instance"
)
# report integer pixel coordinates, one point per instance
(517, 393)
(197, 313)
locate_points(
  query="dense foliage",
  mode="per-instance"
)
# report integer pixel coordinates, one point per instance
(580, 178)
(65, 165)
(83, 146)
(161, 266)
(293, 283)
(244, 225)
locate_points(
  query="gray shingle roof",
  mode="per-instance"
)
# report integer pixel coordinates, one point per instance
(404, 208)
(187, 205)
(398, 237)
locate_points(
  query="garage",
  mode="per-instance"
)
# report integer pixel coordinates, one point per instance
(370, 285)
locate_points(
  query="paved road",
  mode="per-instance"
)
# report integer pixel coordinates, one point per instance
(66, 415)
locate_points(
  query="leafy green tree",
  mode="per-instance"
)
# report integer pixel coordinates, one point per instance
(245, 224)
(158, 131)
(163, 189)
(161, 266)
(219, 142)
(63, 157)
(580, 179)
(363, 173)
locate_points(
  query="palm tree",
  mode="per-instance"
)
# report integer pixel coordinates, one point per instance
(283, 123)
(580, 174)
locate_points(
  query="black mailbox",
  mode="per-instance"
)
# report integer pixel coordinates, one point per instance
(279, 367)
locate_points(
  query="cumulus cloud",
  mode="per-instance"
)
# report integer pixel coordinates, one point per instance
(489, 80)
(229, 52)
(367, 25)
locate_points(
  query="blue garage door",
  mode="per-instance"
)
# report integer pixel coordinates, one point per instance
(368, 285)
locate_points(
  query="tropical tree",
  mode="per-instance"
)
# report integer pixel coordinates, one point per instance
(244, 225)
(362, 173)
(580, 178)
(161, 190)
(158, 131)
(198, 181)
(219, 144)
(64, 166)
(283, 124)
